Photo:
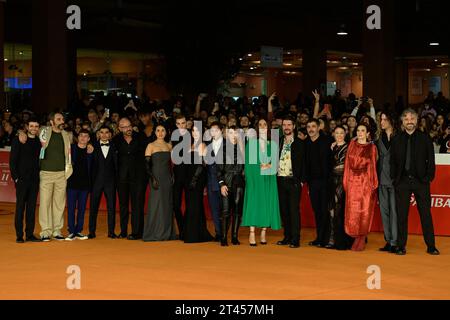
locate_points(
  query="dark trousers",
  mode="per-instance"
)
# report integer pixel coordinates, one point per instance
(232, 206)
(134, 191)
(421, 191)
(214, 200)
(26, 197)
(180, 186)
(318, 194)
(110, 194)
(76, 200)
(289, 193)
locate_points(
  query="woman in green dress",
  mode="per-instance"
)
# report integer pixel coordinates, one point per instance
(261, 207)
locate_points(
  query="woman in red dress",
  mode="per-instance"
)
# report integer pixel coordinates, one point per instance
(360, 184)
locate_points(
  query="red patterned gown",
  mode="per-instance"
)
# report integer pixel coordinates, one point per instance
(360, 184)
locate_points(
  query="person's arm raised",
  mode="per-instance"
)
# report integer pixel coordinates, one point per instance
(316, 104)
(373, 113)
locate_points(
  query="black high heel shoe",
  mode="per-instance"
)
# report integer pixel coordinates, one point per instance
(263, 242)
(252, 244)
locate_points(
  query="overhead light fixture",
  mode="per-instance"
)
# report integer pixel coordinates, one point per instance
(344, 58)
(288, 52)
(249, 55)
(21, 53)
(342, 31)
(240, 59)
(434, 44)
(435, 60)
(6, 59)
(287, 64)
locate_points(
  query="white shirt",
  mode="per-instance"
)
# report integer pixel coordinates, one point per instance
(216, 145)
(105, 149)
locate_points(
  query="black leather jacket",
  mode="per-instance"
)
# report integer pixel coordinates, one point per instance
(233, 166)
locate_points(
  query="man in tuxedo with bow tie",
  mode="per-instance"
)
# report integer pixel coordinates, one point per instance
(104, 172)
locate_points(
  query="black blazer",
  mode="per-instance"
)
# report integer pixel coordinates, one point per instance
(324, 155)
(104, 170)
(298, 158)
(228, 169)
(423, 152)
(131, 157)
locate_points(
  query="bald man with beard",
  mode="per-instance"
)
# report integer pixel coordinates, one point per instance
(132, 178)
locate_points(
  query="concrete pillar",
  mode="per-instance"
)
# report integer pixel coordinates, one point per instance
(54, 57)
(379, 55)
(2, 56)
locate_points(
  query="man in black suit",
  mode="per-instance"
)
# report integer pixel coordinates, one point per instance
(318, 157)
(104, 173)
(181, 141)
(291, 170)
(132, 178)
(412, 169)
(24, 165)
(214, 156)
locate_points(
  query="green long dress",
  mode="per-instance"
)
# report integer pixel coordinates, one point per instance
(261, 207)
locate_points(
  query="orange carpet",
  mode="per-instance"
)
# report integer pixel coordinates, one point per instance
(122, 269)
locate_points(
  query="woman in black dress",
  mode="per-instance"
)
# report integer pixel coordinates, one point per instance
(195, 228)
(338, 238)
(159, 224)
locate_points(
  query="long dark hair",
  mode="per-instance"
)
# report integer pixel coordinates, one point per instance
(269, 127)
(392, 120)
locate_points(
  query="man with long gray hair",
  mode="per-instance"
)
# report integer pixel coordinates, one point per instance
(412, 169)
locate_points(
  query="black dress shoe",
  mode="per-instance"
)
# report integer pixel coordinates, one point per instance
(112, 236)
(123, 236)
(433, 251)
(283, 242)
(33, 239)
(315, 243)
(91, 236)
(393, 249)
(235, 242)
(218, 238)
(20, 240)
(330, 247)
(294, 245)
(386, 248)
(400, 251)
(224, 243)
(133, 237)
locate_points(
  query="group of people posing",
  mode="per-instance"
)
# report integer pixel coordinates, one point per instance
(253, 178)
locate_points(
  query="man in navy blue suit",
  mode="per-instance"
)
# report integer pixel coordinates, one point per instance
(215, 155)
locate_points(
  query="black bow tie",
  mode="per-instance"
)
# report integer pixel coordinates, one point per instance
(104, 144)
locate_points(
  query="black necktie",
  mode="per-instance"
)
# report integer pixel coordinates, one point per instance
(408, 155)
(104, 144)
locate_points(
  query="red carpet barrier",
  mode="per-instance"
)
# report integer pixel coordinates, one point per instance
(440, 190)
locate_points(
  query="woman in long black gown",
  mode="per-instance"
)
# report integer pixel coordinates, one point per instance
(338, 238)
(195, 228)
(159, 224)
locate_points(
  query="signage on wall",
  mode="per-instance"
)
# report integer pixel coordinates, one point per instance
(416, 86)
(271, 57)
(434, 84)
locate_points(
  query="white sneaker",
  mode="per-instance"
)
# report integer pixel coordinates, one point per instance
(81, 236)
(70, 237)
